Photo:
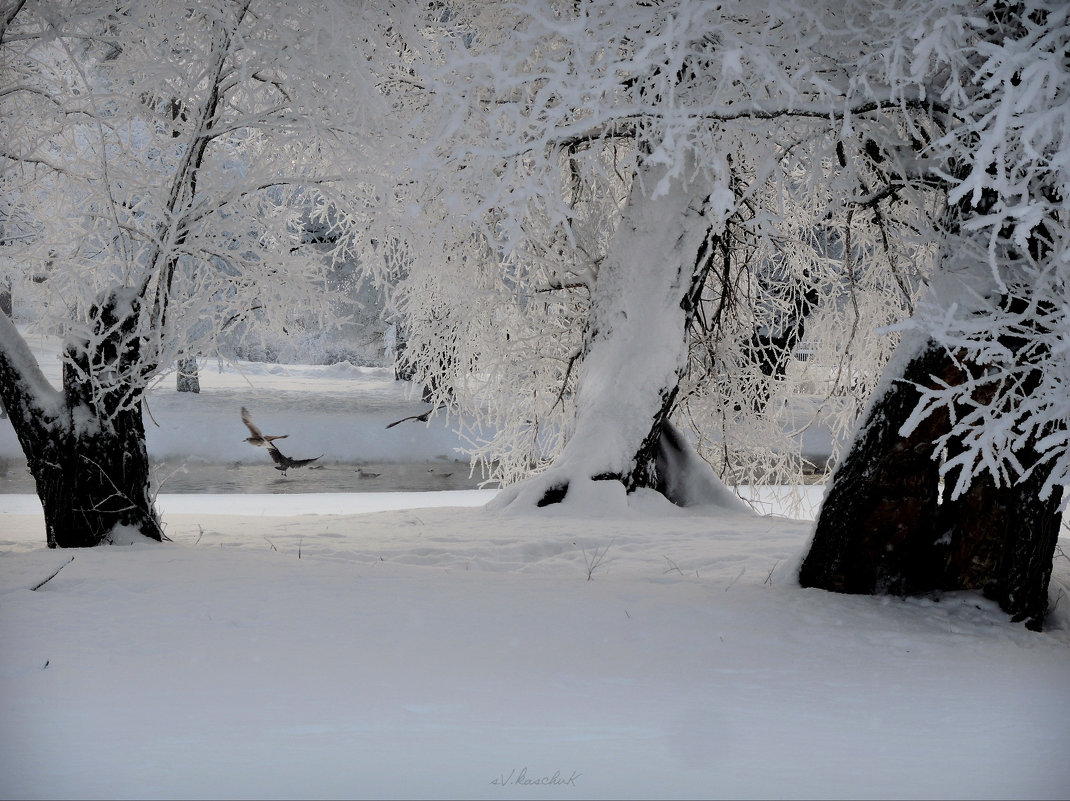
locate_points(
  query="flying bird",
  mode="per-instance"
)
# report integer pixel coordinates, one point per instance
(421, 417)
(284, 462)
(258, 439)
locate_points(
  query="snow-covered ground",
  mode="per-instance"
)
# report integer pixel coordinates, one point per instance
(364, 644)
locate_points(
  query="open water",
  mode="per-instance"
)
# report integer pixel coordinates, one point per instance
(200, 477)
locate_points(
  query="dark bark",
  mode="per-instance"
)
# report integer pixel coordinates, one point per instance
(404, 370)
(8, 15)
(1001, 541)
(106, 477)
(188, 379)
(645, 472)
(87, 453)
(884, 528)
(91, 486)
(436, 386)
(6, 305)
(874, 533)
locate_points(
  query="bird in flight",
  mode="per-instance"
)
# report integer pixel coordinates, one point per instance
(421, 417)
(284, 462)
(258, 439)
(261, 440)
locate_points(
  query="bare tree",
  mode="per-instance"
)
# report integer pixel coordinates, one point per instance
(618, 182)
(163, 160)
(755, 181)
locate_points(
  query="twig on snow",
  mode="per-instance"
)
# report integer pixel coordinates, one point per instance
(737, 578)
(769, 578)
(672, 565)
(54, 574)
(594, 559)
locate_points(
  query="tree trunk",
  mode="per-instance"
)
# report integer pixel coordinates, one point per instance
(85, 446)
(188, 379)
(6, 305)
(651, 468)
(643, 303)
(884, 528)
(1001, 541)
(94, 489)
(875, 531)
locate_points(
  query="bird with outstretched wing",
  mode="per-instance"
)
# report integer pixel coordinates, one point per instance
(257, 438)
(421, 417)
(284, 462)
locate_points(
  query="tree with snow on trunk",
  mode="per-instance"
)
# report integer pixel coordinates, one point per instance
(163, 162)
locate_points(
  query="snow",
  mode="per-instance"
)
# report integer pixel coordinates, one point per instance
(43, 395)
(421, 645)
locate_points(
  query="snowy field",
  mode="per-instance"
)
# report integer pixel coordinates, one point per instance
(415, 644)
